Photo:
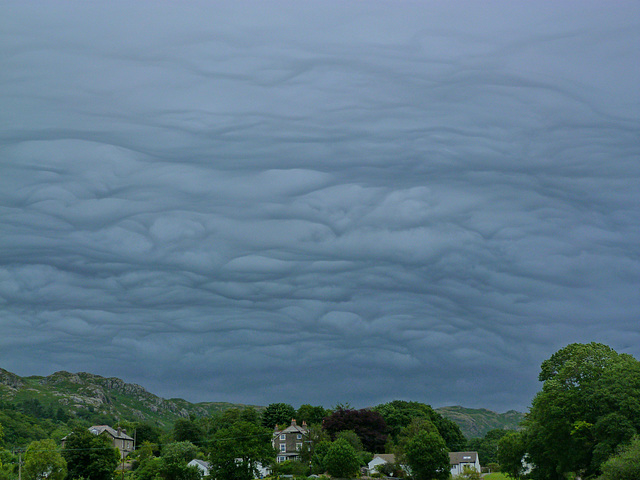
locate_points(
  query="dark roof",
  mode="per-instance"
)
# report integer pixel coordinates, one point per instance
(456, 458)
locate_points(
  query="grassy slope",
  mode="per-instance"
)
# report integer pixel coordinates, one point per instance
(477, 422)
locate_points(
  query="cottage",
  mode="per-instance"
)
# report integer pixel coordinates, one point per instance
(459, 460)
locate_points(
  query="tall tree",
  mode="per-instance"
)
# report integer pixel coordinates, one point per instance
(427, 457)
(310, 414)
(398, 414)
(90, 456)
(43, 461)
(278, 414)
(587, 407)
(625, 465)
(237, 449)
(511, 452)
(341, 459)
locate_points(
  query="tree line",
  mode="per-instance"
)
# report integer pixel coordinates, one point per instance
(584, 423)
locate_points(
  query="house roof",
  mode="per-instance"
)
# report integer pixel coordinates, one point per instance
(202, 463)
(387, 457)
(293, 428)
(99, 429)
(456, 458)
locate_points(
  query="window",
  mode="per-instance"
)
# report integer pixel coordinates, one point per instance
(281, 459)
(298, 446)
(283, 436)
(299, 436)
(283, 447)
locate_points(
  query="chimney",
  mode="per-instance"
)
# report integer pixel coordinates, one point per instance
(119, 432)
(293, 422)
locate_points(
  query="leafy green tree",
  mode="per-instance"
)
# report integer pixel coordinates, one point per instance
(487, 446)
(278, 414)
(315, 435)
(174, 461)
(90, 456)
(427, 457)
(352, 438)
(318, 455)
(341, 459)
(237, 449)
(625, 465)
(511, 451)
(42, 460)
(398, 414)
(310, 414)
(587, 407)
(187, 430)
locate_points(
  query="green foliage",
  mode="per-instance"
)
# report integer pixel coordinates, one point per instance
(589, 404)
(236, 449)
(290, 467)
(625, 465)
(42, 460)
(427, 457)
(487, 447)
(399, 414)
(278, 414)
(341, 459)
(511, 450)
(187, 430)
(352, 439)
(90, 456)
(315, 435)
(310, 414)
(468, 473)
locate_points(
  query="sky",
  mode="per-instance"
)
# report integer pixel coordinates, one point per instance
(318, 202)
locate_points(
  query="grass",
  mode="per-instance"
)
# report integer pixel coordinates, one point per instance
(495, 476)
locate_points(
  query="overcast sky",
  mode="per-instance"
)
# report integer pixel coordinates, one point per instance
(318, 202)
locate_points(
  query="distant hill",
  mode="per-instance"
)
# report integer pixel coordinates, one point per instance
(476, 422)
(84, 394)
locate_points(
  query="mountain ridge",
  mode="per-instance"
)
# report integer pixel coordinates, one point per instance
(86, 393)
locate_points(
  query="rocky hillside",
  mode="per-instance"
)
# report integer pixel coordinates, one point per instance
(477, 422)
(78, 393)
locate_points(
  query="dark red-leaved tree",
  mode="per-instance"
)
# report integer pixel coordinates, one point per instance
(368, 425)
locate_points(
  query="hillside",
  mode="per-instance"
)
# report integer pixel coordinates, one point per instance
(83, 394)
(477, 422)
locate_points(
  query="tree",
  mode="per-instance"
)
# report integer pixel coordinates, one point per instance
(427, 457)
(237, 449)
(174, 460)
(398, 414)
(90, 456)
(487, 446)
(625, 465)
(310, 414)
(277, 414)
(341, 460)
(352, 438)
(468, 473)
(511, 451)
(42, 460)
(587, 407)
(187, 430)
(369, 425)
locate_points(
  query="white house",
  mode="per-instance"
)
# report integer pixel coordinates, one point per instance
(459, 460)
(201, 465)
(380, 459)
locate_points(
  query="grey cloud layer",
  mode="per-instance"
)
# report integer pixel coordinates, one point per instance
(318, 203)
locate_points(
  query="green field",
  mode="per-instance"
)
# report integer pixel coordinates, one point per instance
(495, 476)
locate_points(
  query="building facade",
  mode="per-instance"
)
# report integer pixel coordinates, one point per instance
(288, 442)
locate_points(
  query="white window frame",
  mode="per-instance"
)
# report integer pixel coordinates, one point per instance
(283, 447)
(283, 436)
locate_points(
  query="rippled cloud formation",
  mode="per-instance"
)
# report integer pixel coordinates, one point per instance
(318, 202)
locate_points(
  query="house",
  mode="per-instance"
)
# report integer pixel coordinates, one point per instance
(380, 459)
(288, 442)
(201, 465)
(118, 438)
(459, 460)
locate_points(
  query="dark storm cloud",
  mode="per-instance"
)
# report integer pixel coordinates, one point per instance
(315, 203)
